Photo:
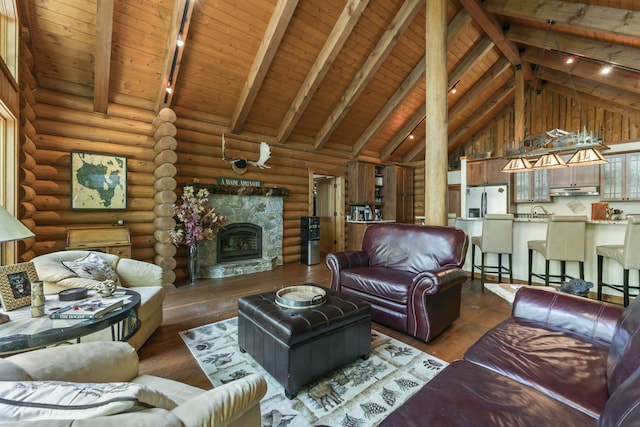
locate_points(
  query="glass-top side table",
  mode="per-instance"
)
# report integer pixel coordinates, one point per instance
(24, 332)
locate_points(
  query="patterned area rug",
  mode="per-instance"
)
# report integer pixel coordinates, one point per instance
(360, 394)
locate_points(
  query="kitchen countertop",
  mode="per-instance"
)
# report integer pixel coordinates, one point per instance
(373, 221)
(590, 221)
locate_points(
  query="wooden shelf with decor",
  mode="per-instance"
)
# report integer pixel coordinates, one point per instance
(112, 239)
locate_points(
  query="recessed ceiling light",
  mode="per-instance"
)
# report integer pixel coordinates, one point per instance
(606, 69)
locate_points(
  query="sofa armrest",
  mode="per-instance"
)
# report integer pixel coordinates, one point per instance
(338, 261)
(134, 273)
(235, 403)
(557, 310)
(100, 361)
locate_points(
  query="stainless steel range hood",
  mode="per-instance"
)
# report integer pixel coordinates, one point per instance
(574, 191)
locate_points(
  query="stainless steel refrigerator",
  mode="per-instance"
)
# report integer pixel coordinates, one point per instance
(493, 199)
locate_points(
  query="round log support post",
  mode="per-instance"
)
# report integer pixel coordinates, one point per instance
(165, 196)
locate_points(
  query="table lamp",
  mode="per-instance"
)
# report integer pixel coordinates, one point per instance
(11, 229)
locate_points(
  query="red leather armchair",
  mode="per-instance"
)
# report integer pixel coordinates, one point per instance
(410, 274)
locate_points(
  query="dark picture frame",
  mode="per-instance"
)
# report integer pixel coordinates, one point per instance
(15, 285)
(98, 181)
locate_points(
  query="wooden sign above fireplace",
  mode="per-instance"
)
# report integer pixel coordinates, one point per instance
(241, 190)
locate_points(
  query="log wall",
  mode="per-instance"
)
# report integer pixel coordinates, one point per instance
(27, 135)
(199, 160)
(164, 152)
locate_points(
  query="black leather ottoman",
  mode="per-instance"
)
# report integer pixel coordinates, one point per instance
(297, 346)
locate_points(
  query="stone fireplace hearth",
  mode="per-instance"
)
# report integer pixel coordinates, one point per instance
(262, 211)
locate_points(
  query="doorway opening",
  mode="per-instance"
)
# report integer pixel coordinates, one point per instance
(327, 203)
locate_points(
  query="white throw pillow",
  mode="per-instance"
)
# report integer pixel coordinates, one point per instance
(42, 400)
(92, 266)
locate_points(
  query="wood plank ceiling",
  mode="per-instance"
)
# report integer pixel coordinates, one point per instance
(344, 75)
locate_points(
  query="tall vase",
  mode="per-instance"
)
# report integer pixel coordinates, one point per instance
(193, 264)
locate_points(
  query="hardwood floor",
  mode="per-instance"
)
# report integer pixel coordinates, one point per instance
(211, 300)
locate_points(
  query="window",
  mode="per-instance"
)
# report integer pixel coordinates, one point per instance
(8, 123)
(9, 36)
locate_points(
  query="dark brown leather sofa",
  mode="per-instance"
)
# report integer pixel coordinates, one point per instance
(410, 274)
(559, 360)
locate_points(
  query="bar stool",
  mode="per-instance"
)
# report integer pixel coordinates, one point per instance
(565, 242)
(496, 238)
(627, 255)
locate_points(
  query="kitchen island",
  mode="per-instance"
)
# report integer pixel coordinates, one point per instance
(598, 232)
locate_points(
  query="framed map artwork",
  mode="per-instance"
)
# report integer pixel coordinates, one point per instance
(98, 181)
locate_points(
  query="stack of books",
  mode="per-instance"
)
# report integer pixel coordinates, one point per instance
(93, 308)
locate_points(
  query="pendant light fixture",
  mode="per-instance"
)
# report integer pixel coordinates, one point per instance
(546, 150)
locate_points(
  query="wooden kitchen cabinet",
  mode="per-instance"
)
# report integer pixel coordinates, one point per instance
(531, 187)
(399, 194)
(361, 189)
(574, 176)
(620, 178)
(387, 188)
(487, 172)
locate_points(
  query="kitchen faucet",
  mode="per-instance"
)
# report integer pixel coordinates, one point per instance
(534, 213)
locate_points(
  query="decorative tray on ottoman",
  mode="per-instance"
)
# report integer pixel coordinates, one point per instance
(301, 296)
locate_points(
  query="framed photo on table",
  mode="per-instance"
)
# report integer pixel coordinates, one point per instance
(98, 181)
(15, 285)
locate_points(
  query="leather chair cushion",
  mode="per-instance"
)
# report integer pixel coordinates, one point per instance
(384, 283)
(465, 394)
(563, 365)
(414, 248)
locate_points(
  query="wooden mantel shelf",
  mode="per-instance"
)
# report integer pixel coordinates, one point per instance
(241, 190)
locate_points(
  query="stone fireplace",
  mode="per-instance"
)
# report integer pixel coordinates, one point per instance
(239, 241)
(255, 216)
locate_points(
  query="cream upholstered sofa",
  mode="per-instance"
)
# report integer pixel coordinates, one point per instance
(142, 277)
(233, 404)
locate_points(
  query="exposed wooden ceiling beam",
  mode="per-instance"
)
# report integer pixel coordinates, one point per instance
(266, 52)
(482, 48)
(477, 120)
(459, 22)
(391, 105)
(493, 29)
(601, 51)
(620, 77)
(341, 31)
(403, 133)
(478, 52)
(102, 66)
(500, 66)
(601, 19)
(396, 28)
(606, 92)
(179, 27)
